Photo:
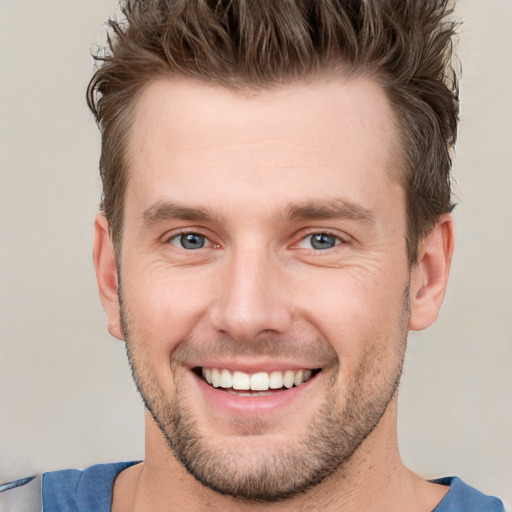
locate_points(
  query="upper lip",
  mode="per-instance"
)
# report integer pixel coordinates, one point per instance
(253, 366)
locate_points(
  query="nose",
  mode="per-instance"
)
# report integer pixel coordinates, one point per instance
(252, 297)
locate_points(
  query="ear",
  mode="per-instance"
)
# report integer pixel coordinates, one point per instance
(429, 276)
(105, 265)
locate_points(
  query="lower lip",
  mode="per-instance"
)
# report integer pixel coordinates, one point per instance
(251, 405)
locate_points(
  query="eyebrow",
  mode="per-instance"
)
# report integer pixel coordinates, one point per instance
(330, 209)
(313, 210)
(165, 211)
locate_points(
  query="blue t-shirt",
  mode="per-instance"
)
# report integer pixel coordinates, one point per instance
(90, 490)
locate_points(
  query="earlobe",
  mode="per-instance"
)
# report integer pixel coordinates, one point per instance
(105, 265)
(429, 277)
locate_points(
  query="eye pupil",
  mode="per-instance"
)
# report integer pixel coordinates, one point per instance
(323, 241)
(192, 241)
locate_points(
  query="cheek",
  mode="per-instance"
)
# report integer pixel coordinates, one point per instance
(352, 309)
(162, 309)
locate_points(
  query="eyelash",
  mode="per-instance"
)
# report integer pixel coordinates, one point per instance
(208, 243)
(338, 240)
(177, 236)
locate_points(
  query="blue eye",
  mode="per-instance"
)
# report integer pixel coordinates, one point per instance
(189, 241)
(323, 241)
(319, 241)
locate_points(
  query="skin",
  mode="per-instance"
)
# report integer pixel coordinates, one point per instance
(258, 295)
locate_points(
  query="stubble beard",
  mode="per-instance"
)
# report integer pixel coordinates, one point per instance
(331, 439)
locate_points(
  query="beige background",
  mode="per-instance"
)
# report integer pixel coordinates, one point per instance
(66, 397)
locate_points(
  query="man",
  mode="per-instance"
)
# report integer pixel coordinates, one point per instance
(275, 219)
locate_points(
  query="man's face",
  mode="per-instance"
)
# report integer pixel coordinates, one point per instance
(264, 246)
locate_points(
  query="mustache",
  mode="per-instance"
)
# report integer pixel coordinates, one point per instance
(272, 346)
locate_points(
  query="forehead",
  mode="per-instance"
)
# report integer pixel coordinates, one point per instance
(292, 140)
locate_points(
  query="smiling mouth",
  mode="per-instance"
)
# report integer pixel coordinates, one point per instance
(242, 383)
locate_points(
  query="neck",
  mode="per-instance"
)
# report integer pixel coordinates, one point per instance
(373, 479)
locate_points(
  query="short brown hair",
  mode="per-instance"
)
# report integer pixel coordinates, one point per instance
(406, 45)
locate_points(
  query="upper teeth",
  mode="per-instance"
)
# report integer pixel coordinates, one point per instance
(261, 381)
